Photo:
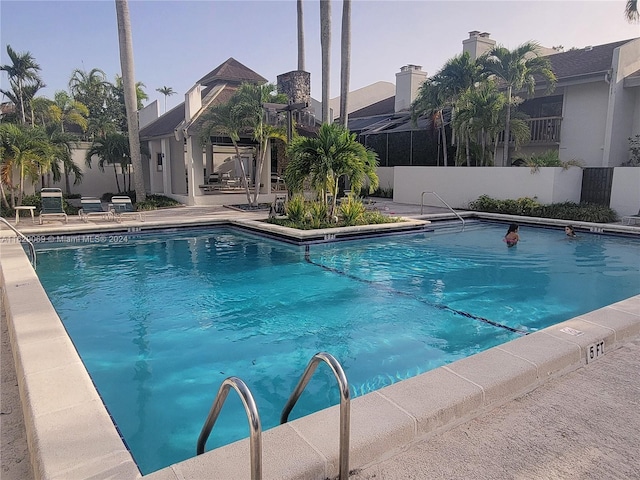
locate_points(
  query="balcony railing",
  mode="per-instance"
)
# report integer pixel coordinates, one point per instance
(544, 130)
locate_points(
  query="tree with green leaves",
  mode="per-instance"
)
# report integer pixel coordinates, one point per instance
(167, 92)
(26, 153)
(517, 70)
(66, 111)
(478, 115)
(111, 149)
(243, 115)
(129, 84)
(224, 120)
(324, 159)
(440, 92)
(92, 90)
(22, 71)
(62, 144)
(249, 102)
(631, 11)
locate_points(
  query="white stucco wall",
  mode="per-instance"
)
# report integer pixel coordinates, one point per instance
(94, 182)
(385, 176)
(625, 191)
(584, 123)
(459, 186)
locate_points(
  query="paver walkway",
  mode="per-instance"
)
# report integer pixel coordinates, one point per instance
(584, 425)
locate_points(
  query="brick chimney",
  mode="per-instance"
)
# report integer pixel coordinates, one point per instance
(408, 81)
(477, 44)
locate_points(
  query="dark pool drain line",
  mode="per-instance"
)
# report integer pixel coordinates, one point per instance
(307, 258)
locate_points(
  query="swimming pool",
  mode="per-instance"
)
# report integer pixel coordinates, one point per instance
(160, 321)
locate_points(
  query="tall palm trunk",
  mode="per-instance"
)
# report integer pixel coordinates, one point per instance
(4, 196)
(245, 183)
(325, 44)
(130, 100)
(507, 125)
(21, 97)
(300, 36)
(345, 64)
(445, 155)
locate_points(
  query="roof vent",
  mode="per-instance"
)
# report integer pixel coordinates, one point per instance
(588, 48)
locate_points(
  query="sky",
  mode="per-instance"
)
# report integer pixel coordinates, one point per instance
(175, 43)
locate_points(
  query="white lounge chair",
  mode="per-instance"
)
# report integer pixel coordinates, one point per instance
(122, 207)
(92, 207)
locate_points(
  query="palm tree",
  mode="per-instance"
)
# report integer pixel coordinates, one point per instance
(129, 83)
(441, 91)
(90, 88)
(224, 120)
(324, 159)
(22, 70)
(28, 91)
(516, 68)
(27, 152)
(345, 62)
(300, 35)
(66, 110)
(111, 149)
(478, 114)
(249, 101)
(62, 144)
(166, 91)
(243, 114)
(325, 44)
(631, 11)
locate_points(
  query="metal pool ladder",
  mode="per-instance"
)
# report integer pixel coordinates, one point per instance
(32, 249)
(254, 419)
(252, 414)
(445, 203)
(345, 411)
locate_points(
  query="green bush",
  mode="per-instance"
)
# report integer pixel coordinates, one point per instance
(153, 202)
(296, 209)
(351, 210)
(581, 212)
(319, 213)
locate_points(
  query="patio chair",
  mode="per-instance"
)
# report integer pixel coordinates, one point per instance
(122, 207)
(52, 204)
(92, 207)
(278, 206)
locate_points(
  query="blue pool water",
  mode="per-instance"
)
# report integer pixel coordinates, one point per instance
(161, 320)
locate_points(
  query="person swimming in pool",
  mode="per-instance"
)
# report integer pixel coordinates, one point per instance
(570, 231)
(512, 237)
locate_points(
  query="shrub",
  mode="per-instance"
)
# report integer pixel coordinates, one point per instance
(296, 209)
(581, 212)
(319, 213)
(548, 158)
(351, 210)
(153, 202)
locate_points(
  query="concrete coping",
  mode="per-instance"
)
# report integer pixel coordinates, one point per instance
(71, 435)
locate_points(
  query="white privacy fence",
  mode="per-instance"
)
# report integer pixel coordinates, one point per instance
(459, 185)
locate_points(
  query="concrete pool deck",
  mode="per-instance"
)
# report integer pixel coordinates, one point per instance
(70, 434)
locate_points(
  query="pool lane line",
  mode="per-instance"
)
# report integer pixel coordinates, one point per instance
(307, 258)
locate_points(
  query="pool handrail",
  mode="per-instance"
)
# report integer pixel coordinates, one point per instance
(255, 427)
(344, 403)
(445, 203)
(32, 249)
